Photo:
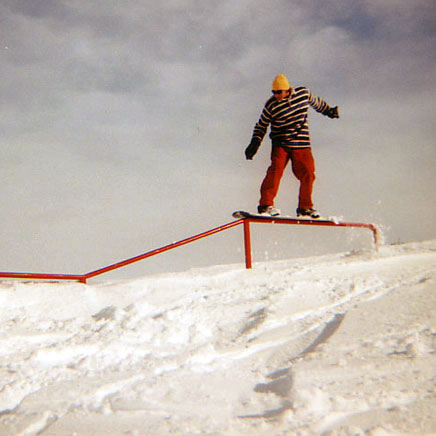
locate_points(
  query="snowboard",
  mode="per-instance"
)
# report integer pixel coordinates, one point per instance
(239, 214)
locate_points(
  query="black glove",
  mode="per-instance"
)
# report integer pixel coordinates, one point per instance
(333, 112)
(252, 148)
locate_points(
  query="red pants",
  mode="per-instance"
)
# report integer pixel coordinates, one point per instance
(303, 167)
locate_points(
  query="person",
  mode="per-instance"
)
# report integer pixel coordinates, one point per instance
(286, 111)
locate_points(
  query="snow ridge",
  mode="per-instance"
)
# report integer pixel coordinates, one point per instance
(332, 345)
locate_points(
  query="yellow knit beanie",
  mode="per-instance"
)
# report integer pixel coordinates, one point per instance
(280, 83)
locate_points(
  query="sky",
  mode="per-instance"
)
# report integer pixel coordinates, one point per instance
(123, 125)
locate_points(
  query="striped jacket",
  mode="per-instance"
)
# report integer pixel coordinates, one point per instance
(288, 118)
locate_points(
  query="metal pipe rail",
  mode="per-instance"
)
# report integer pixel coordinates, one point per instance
(296, 221)
(245, 222)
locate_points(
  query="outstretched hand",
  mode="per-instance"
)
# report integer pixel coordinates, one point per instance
(333, 112)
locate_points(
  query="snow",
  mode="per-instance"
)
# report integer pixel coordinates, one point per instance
(334, 345)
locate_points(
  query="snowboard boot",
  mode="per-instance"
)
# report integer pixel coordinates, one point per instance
(308, 213)
(268, 210)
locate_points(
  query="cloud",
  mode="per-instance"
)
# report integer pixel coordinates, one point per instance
(148, 106)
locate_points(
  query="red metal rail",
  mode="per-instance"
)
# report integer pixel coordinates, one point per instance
(84, 277)
(306, 222)
(43, 276)
(247, 247)
(161, 250)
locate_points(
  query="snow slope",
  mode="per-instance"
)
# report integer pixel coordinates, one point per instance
(334, 345)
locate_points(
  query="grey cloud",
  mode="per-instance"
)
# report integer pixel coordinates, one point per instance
(151, 104)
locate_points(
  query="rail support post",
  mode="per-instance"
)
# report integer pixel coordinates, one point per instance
(376, 235)
(247, 244)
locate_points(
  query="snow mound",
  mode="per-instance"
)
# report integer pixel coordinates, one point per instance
(336, 345)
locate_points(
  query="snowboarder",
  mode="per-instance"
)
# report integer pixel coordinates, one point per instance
(286, 111)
